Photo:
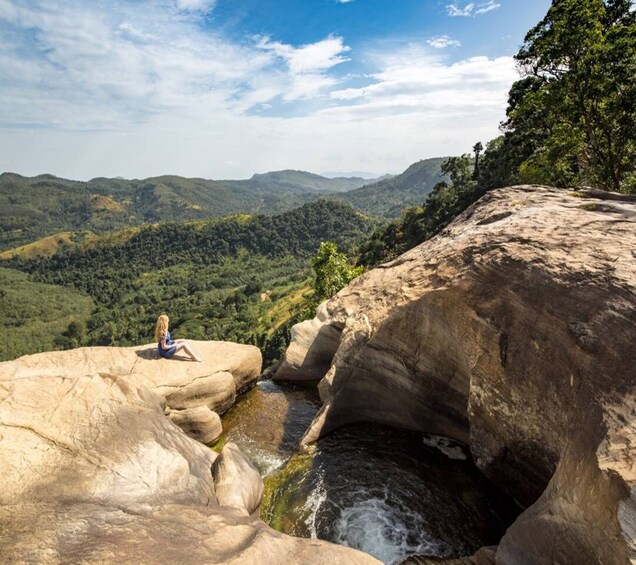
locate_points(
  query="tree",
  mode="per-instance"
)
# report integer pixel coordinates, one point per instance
(76, 332)
(332, 271)
(477, 149)
(459, 171)
(573, 115)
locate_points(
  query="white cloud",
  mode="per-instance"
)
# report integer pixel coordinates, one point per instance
(487, 7)
(471, 9)
(308, 64)
(455, 10)
(344, 1)
(309, 58)
(196, 5)
(141, 89)
(81, 67)
(443, 41)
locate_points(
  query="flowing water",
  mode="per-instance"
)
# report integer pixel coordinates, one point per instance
(388, 492)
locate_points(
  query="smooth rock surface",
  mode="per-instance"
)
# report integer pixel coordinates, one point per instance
(313, 344)
(238, 483)
(226, 370)
(94, 472)
(53, 534)
(513, 330)
(95, 438)
(199, 423)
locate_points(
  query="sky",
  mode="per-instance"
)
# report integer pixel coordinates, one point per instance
(228, 88)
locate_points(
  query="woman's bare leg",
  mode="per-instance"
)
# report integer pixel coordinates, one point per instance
(184, 346)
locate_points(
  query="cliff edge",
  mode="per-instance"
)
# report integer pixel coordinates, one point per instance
(512, 331)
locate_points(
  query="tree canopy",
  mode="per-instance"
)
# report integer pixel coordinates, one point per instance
(572, 116)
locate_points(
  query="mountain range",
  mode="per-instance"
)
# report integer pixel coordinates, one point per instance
(45, 206)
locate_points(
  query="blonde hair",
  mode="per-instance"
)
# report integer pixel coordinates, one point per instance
(161, 327)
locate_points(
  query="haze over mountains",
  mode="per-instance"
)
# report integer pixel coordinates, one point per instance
(37, 207)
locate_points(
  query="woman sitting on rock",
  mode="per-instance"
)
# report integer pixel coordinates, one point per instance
(166, 345)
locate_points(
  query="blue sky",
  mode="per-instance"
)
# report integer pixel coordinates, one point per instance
(227, 88)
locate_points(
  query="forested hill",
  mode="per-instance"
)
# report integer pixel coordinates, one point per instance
(32, 208)
(389, 197)
(100, 267)
(237, 278)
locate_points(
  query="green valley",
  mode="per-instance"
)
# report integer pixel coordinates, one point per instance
(239, 278)
(37, 317)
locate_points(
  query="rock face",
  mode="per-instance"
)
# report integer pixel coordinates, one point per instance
(199, 423)
(513, 331)
(227, 369)
(95, 439)
(94, 472)
(238, 482)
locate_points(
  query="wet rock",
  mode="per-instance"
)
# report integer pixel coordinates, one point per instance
(238, 483)
(511, 331)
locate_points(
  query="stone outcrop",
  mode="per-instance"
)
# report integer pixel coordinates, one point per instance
(95, 439)
(94, 472)
(512, 331)
(199, 423)
(185, 387)
(238, 483)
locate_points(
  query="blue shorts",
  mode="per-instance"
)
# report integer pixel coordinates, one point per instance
(167, 353)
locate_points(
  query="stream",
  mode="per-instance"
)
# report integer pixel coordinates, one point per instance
(387, 492)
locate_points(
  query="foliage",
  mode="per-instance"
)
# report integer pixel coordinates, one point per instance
(210, 277)
(332, 271)
(419, 223)
(571, 121)
(33, 208)
(389, 197)
(572, 118)
(298, 182)
(39, 317)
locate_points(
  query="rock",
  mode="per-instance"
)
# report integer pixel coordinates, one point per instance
(199, 423)
(238, 483)
(216, 392)
(511, 331)
(226, 370)
(154, 535)
(313, 344)
(93, 472)
(98, 439)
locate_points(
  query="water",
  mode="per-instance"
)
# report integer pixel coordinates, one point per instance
(268, 421)
(387, 492)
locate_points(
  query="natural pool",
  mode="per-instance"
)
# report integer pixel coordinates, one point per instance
(377, 489)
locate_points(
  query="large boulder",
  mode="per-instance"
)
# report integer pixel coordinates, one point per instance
(199, 423)
(81, 533)
(513, 331)
(226, 370)
(94, 472)
(95, 439)
(238, 483)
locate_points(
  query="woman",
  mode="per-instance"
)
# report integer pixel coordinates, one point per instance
(166, 345)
